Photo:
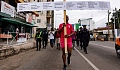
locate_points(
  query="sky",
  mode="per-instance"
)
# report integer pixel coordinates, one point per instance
(99, 16)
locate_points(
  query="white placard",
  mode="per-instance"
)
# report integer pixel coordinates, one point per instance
(104, 5)
(59, 5)
(81, 5)
(71, 5)
(36, 6)
(48, 6)
(93, 5)
(23, 7)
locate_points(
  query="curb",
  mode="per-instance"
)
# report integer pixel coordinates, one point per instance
(6, 51)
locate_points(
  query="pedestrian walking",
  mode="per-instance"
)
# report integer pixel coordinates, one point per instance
(51, 36)
(77, 38)
(38, 38)
(80, 38)
(45, 38)
(85, 38)
(57, 36)
(70, 32)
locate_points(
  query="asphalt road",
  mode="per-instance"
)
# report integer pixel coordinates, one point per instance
(101, 56)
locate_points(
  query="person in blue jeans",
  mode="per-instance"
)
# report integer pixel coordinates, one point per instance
(51, 36)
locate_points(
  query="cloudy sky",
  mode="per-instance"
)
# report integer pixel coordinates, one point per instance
(99, 16)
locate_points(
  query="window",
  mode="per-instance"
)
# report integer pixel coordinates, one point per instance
(38, 20)
(38, 0)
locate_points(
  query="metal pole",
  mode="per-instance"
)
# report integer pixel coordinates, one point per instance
(108, 26)
(114, 29)
(7, 37)
(89, 24)
(114, 11)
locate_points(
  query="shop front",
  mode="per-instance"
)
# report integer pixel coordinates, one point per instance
(13, 22)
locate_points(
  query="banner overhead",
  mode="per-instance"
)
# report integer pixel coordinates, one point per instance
(70, 5)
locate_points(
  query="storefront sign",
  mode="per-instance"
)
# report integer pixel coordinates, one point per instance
(6, 8)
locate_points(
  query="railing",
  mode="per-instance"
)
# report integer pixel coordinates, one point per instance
(23, 35)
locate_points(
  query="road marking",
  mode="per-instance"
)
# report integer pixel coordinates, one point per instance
(95, 68)
(102, 46)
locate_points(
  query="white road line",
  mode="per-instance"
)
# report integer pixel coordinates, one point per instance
(95, 68)
(102, 46)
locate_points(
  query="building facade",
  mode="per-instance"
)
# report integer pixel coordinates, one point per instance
(12, 21)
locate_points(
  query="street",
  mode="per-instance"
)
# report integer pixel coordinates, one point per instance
(101, 56)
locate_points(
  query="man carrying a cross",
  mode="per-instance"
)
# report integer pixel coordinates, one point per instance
(69, 33)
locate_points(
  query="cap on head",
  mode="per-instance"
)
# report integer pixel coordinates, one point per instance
(84, 25)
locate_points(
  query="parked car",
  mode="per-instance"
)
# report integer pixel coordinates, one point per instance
(92, 38)
(101, 37)
(117, 46)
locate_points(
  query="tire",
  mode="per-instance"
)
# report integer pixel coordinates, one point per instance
(117, 48)
(118, 55)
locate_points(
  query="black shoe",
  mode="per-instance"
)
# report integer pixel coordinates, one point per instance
(86, 53)
(64, 67)
(68, 60)
(37, 50)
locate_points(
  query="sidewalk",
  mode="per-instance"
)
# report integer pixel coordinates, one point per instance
(7, 50)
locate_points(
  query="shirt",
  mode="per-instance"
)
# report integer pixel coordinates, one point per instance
(51, 34)
(69, 30)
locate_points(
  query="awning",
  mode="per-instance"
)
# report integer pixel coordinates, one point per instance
(14, 21)
(4, 15)
(36, 13)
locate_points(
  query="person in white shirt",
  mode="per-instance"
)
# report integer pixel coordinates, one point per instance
(51, 36)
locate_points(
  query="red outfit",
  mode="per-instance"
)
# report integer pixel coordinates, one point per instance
(69, 30)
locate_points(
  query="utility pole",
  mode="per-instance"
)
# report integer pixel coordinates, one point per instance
(108, 26)
(89, 24)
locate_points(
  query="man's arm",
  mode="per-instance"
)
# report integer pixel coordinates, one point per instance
(61, 27)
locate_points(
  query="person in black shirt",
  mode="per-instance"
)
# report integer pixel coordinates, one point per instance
(45, 38)
(80, 38)
(77, 37)
(85, 38)
(38, 38)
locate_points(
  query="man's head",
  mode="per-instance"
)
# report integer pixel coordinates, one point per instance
(84, 26)
(67, 18)
(45, 29)
(80, 28)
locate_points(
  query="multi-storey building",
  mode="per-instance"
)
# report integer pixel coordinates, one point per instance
(11, 20)
(45, 18)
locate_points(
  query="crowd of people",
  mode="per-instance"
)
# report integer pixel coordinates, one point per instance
(80, 38)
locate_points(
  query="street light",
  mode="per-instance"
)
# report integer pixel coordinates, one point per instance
(114, 16)
(108, 25)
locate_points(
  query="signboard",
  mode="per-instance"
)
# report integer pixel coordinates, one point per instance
(71, 5)
(59, 5)
(6, 8)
